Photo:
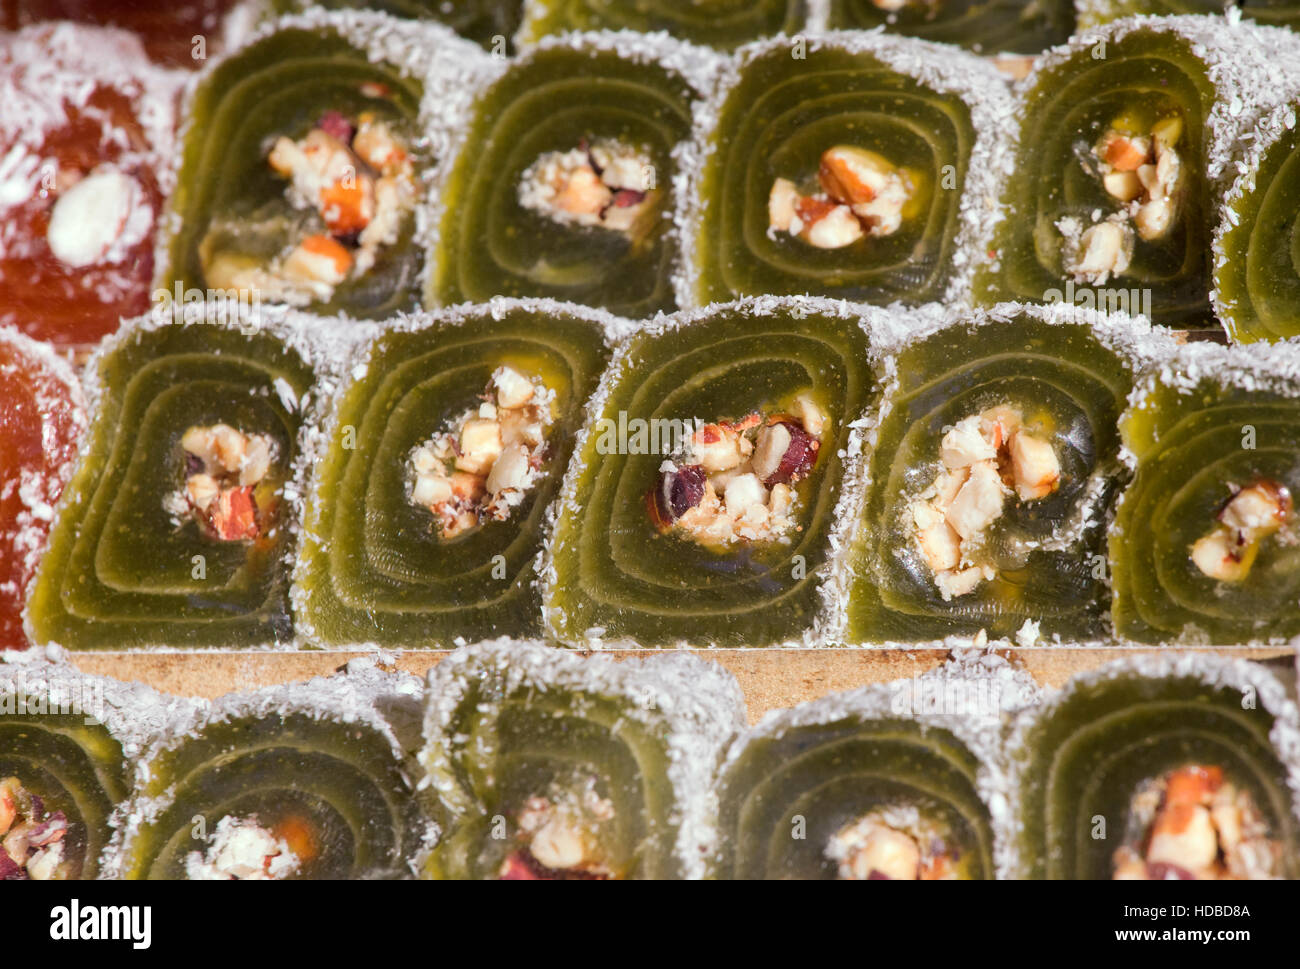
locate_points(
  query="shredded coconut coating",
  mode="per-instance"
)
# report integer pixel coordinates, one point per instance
(940, 67)
(36, 489)
(697, 66)
(1132, 337)
(893, 329)
(47, 68)
(697, 704)
(986, 691)
(1242, 62)
(354, 364)
(1270, 691)
(365, 695)
(448, 67)
(1274, 371)
(622, 363)
(132, 713)
(1256, 142)
(325, 344)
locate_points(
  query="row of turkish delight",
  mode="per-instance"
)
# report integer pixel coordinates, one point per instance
(167, 30)
(988, 26)
(772, 471)
(360, 165)
(522, 761)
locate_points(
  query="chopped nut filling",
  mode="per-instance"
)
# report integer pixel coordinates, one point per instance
(861, 194)
(31, 838)
(228, 488)
(243, 850)
(987, 458)
(892, 844)
(1193, 824)
(1227, 552)
(490, 458)
(736, 480)
(1143, 172)
(560, 837)
(604, 184)
(356, 181)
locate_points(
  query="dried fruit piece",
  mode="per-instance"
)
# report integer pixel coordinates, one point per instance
(678, 491)
(31, 837)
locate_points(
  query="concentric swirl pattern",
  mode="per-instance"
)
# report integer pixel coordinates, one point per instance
(230, 203)
(73, 765)
(1068, 108)
(790, 789)
(1257, 267)
(557, 101)
(1082, 759)
(334, 791)
(719, 23)
(626, 747)
(779, 118)
(1196, 442)
(122, 570)
(613, 572)
(988, 26)
(373, 566)
(1047, 552)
